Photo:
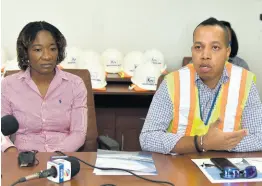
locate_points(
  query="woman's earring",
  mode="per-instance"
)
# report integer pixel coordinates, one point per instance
(28, 63)
(25, 62)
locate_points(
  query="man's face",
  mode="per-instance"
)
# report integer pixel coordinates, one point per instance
(209, 51)
(43, 53)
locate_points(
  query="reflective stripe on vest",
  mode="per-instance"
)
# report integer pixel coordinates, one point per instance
(229, 104)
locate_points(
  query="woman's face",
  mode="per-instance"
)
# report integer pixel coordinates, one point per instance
(43, 53)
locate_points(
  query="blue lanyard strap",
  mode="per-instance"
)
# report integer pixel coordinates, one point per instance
(212, 106)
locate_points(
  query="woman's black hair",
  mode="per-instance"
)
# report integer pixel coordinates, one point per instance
(27, 37)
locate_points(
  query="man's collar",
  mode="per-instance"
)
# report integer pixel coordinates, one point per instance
(224, 78)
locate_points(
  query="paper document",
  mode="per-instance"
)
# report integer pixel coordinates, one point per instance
(140, 163)
(213, 173)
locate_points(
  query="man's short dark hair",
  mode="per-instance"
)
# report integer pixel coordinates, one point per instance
(234, 41)
(27, 37)
(214, 22)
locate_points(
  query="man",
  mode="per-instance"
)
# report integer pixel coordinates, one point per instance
(208, 105)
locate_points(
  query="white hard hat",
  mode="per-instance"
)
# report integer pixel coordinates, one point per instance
(88, 57)
(131, 61)
(3, 59)
(112, 60)
(3, 56)
(12, 65)
(146, 76)
(73, 55)
(92, 61)
(157, 58)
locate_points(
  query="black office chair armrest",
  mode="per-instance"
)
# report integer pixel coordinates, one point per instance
(105, 142)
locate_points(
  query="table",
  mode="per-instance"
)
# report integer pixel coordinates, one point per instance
(179, 170)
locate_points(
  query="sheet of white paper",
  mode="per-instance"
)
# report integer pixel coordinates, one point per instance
(124, 157)
(147, 157)
(255, 161)
(102, 172)
(124, 164)
(137, 162)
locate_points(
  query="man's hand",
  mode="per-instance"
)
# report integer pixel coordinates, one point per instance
(11, 149)
(216, 139)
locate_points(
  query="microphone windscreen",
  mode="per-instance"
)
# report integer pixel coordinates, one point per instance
(75, 165)
(9, 125)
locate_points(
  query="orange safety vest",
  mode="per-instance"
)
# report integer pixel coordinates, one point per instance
(228, 106)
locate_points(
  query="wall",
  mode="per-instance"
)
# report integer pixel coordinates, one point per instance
(138, 24)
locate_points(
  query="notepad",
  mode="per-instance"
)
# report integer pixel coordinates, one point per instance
(140, 163)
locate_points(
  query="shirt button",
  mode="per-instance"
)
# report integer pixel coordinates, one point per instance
(43, 120)
(46, 145)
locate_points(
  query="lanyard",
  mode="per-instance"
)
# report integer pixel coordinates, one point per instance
(212, 106)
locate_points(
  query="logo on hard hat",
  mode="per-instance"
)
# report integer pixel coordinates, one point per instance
(150, 80)
(95, 76)
(73, 60)
(132, 70)
(113, 63)
(155, 61)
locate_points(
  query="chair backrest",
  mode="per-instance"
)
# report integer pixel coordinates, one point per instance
(91, 137)
(186, 61)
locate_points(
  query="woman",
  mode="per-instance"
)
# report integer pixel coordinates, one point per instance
(233, 58)
(49, 104)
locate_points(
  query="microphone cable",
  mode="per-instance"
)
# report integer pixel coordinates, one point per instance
(18, 181)
(118, 169)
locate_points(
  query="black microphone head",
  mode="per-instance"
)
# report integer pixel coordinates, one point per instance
(75, 165)
(9, 125)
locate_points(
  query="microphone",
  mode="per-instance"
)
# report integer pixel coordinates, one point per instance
(9, 125)
(59, 170)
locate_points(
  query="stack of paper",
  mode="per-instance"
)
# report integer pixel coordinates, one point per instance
(140, 163)
(213, 173)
